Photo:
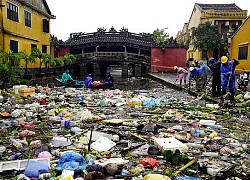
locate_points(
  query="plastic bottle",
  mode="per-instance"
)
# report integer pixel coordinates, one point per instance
(91, 162)
(16, 143)
(214, 126)
(2, 149)
(10, 122)
(195, 145)
(14, 156)
(210, 154)
(1, 98)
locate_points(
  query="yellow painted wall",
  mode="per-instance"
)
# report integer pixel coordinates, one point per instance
(195, 18)
(241, 37)
(25, 35)
(198, 17)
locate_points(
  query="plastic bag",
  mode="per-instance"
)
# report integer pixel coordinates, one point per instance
(71, 161)
(149, 161)
(149, 103)
(34, 168)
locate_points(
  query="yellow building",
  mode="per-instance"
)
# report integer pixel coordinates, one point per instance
(240, 47)
(25, 24)
(227, 16)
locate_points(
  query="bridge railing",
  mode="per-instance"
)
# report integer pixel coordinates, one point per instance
(112, 54)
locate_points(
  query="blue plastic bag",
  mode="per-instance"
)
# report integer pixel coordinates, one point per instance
(149, 103)
(71, 161)
(34, 168)
(181, 177)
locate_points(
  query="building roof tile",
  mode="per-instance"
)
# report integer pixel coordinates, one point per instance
(220, 7)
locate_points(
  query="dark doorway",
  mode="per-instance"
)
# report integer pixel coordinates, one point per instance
(77, 72)
(89, 68)
(144, 71)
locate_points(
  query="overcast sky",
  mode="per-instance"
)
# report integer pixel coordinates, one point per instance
(136, 15)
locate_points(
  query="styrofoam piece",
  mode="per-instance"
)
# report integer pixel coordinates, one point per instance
(19, 164)
(118, 161)
(207, 122)
(97, 135)
(103, 144)
(170, 144)
(216, 106)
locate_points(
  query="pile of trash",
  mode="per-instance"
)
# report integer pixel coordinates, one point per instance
(66, 133)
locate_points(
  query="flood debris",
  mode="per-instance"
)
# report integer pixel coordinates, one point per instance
(67, 133)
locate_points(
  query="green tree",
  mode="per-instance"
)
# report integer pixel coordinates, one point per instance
(27, 59)
(13, 59)
(48, 60)
(35, 52)
(69, 59)
(206, 37)
(8, 74)
(9, 67)
(160, 36)
(59, 62)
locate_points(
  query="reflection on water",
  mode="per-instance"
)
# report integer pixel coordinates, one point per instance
(131, 83)
(135, 83)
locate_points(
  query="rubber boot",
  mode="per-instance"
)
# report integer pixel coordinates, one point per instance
(232, 100)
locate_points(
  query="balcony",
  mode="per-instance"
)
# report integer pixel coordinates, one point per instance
(112, 55)
(233, 15)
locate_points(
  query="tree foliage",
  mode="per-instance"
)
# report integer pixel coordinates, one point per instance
(27, 59)
(9, 67)
(160, 36)
(206, 37)
(69, 59)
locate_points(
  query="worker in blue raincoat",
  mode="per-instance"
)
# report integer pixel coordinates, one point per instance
(196, 75)
(205, 70)
(228, 76)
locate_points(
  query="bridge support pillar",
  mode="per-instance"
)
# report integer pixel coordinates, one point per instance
(124, 70)
(138, 70)
(82, 71)
(96, 73)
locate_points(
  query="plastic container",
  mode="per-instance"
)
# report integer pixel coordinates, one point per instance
(170, 144)
(26, 91)
(17, 87)
(19, 165)
(115, 138)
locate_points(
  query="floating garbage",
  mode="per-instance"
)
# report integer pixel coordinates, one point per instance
(88, 134)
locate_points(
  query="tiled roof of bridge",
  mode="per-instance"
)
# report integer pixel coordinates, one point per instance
(112, 38)
(220, 7)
